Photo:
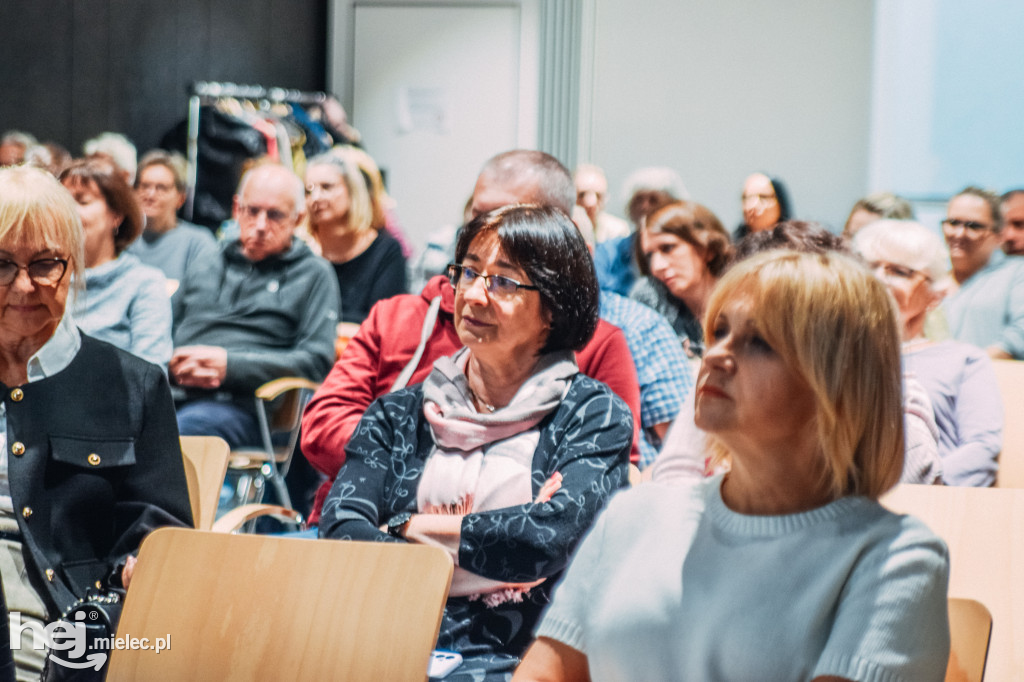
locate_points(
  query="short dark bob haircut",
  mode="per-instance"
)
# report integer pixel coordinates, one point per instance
(545, 244)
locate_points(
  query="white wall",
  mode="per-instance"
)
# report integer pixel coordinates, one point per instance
(718, 90)
(948, 96)
(436, 87)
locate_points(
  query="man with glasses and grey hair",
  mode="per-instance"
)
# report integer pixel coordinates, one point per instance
(987, 307)
(269, 309)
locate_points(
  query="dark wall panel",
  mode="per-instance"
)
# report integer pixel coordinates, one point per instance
(70, 69)
(35, 67)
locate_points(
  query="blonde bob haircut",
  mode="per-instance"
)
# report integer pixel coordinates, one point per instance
(360, 209)
(835, 325)
(36, 209)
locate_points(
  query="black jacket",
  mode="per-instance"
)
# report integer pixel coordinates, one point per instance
(94, 464)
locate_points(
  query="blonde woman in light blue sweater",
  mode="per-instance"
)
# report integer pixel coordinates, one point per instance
(785, 567)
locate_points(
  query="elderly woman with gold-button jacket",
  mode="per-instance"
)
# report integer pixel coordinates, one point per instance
(89, 453)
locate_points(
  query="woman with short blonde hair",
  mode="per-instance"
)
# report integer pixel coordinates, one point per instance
(785, 567)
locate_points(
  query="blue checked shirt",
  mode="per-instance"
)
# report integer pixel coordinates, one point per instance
(661, 365)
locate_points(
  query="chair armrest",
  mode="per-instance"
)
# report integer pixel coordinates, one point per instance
(276, 387)
(237, 517)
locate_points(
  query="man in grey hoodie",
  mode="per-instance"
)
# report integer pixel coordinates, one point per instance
(267, 309)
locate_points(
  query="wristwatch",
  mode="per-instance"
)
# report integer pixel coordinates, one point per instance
(397, 524)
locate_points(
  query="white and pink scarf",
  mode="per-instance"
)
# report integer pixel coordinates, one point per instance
(483, 461)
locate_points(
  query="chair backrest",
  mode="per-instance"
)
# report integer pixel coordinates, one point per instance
(258, 607)
(970, 626)
(1010, 377)
(206, 461)
(984, 530)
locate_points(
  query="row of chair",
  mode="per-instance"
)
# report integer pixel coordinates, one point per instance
(209, 591)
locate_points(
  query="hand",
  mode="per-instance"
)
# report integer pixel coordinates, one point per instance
(550, 487)
(128, 571)
(997, 353)
(199, 366)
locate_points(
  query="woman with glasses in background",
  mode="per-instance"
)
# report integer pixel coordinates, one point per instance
(765, 205)
(505, 453)
(91, 461)
(959, 378)
(123, 302)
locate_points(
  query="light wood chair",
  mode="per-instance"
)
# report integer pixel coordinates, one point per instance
(1010, 377)
(970, 626)
(206, 461)
(984, 529)
(256, 607)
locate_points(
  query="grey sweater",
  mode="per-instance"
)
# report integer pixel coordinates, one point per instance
(277, 317)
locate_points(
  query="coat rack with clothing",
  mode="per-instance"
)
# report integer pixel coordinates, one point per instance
(229, 125)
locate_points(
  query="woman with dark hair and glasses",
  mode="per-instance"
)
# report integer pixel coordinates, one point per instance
(505, 453)
(765, 204)
(91, 461)
(124, 302)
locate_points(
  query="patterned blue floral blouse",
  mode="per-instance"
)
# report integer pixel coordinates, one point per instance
(587, 439)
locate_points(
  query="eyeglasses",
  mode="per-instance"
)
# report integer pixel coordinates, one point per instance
(322, 188)
(157, 187)
(496, 285)
(273, 215)
(894, 271)
(45, 271)
(758, 198)
(969, 224)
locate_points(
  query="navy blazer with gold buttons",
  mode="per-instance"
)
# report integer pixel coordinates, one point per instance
(94, 464)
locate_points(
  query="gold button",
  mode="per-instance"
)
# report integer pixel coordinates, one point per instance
(99, 585)
(27, 512)
(18, 448)
(94, 459)
(50, 575)
(17, 394)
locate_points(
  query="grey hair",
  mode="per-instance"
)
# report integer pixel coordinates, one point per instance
(655, 179)
(117, 147)
(551, 181)
(296, 187)
(26, 140)
(907, 243)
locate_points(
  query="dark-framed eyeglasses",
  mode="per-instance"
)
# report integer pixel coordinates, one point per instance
(45, 271)
(274, 215)
(496, 285)
(972, 225)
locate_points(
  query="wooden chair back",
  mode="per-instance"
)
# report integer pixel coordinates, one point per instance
(206, 461)
(1010, 377)
(257, 607)
(970, 626)
(984, 530)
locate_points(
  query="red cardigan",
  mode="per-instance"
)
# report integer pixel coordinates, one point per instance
(385, 343)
